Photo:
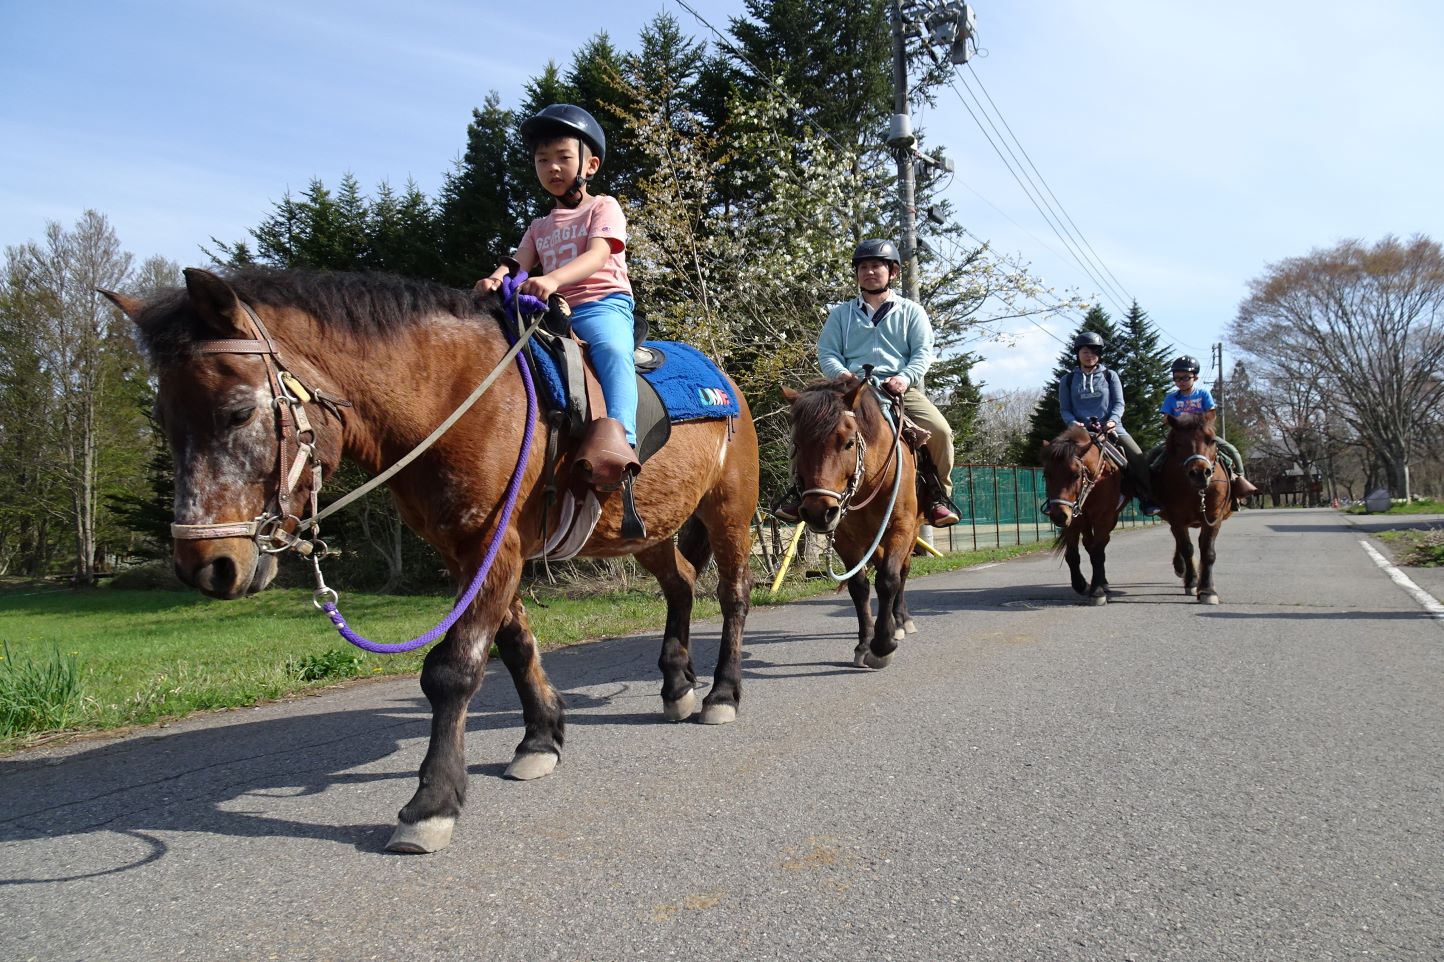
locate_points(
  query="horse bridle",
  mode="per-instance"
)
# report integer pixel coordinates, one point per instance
(845, 496)
(1089, 480)
(273, 531)
(276, 529)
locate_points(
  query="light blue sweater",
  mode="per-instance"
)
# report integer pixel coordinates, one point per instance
(901, 342)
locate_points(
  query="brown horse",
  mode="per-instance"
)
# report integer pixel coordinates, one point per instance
(380, 362)
(858, 484)
(1085, 498)
(1193, 490)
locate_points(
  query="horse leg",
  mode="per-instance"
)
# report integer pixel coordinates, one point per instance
(451, 675)
(1072, 556)
(678, 579)
(900, 616)
(729, 534)
(889, 582)
(1098, 589)
(1207, 535)
(1183, 558)
(861, 592)
(542, 710)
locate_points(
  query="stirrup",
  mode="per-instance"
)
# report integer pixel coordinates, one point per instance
(633, 527)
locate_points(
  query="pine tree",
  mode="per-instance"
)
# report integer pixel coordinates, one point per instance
(482, 208)
(1142, 362)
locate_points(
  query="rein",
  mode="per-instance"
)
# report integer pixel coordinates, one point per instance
(845, 497)
(289, 397)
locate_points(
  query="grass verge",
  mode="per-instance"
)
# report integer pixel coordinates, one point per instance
(76, 662)
(1424, 549)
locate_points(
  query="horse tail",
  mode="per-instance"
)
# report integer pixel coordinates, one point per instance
(693, 542)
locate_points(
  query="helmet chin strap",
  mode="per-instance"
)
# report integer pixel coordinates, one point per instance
(874, 290)
(573, 197)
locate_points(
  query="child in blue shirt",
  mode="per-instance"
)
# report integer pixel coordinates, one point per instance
(1190, 397)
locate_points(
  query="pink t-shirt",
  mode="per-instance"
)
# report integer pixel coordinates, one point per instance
(563, 235)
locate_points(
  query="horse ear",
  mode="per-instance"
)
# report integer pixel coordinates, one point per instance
(129, 306)
(789, 394)
(1210, 417)
(215, 302)
(850, 398)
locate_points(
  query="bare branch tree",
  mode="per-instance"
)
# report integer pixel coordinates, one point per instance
(1366, 324)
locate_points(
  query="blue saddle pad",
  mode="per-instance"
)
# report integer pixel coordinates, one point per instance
(690, 386)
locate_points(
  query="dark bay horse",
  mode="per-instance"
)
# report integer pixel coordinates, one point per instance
(381, 362)
(1085, 498)
(847, 460)
(1193, 490)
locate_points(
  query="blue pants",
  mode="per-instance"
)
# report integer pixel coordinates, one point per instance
(606, 325)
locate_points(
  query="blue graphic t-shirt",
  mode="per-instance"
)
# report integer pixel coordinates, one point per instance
(1194, 402)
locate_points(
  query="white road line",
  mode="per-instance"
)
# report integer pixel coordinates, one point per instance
(1427, 601)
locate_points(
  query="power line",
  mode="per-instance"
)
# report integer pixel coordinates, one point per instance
(1061, 208)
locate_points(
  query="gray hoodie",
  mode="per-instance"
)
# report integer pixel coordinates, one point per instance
(1097, 395)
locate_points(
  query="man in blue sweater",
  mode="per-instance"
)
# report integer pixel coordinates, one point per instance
(893, 336)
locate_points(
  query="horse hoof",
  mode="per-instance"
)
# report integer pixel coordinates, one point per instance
(870, 660)
(859, 658)
(681, 709)
(719, 715)
(528, 765)
(426, 836)
(910, 627)
(1096, 600)
(1208, 599)
(898, 634)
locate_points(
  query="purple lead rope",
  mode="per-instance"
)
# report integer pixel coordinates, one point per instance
(513, 488)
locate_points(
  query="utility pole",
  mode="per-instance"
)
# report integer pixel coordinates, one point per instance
(1218, 387)
(949, 25)
(901, 141)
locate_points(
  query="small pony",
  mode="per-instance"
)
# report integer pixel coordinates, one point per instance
(1193, 488)
(267, 380)
(1084, 484)
(859, 485)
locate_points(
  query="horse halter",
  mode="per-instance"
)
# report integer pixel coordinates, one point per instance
(1089, 480)
(273, 530)
(846, 494)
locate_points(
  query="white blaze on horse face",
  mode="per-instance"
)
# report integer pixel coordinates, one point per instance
(212, 481)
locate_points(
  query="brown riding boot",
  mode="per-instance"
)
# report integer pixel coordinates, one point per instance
(604, 455)
(1241, 487)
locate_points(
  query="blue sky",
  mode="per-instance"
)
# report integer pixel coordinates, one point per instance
(1192, 144)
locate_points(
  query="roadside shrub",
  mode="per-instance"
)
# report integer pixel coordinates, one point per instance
(38, 696)
(336, 663)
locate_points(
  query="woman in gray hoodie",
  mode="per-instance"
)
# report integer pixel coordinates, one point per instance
(1091, 390)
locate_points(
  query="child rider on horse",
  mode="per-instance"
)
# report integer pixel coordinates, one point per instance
(1189, 397)
(1091, 390)
(581, 248)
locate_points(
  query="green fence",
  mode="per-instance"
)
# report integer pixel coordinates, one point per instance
(1000, 505)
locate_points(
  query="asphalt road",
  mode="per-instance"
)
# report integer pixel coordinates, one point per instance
(1031, 779)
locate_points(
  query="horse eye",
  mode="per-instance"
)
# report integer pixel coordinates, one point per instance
(239, 416)
(851, 443)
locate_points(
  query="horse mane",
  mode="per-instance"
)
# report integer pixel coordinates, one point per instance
(1186, 424)
(370, 305)
(1072, 443)
(819, 407)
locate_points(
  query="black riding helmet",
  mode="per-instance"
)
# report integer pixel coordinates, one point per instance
(1089, 339)
(877, 249)
(566, 120)
(1186, 363)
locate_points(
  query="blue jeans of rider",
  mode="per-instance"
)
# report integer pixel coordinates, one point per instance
(606, 325)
